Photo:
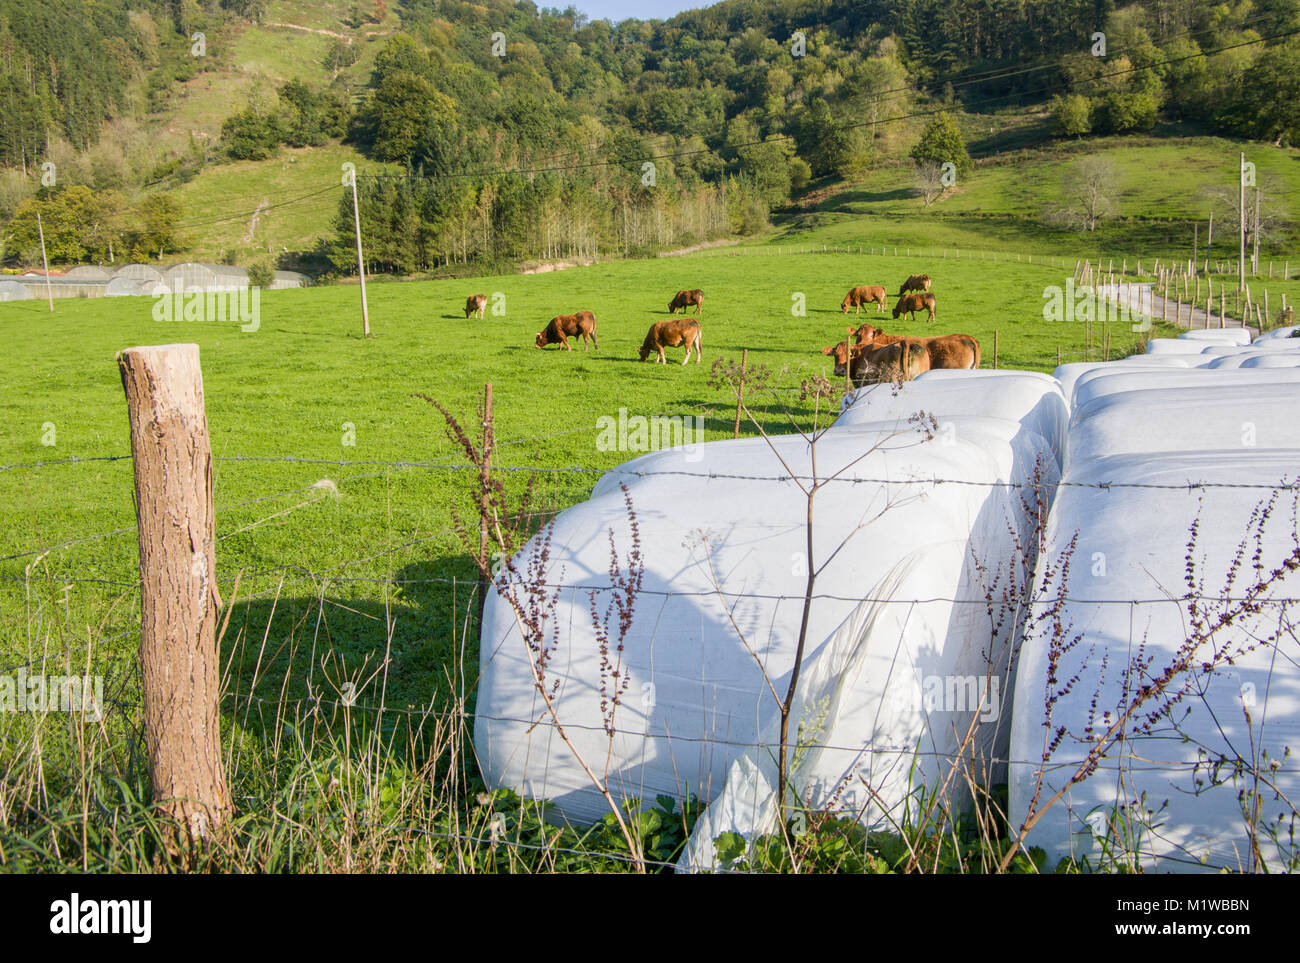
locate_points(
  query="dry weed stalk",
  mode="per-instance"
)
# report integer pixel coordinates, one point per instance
(533, 606)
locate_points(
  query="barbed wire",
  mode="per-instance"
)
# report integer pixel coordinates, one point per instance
(1189, 486)
(912, 751)
(76, 650)
(544, 720)
(294, 573)
(64, 461)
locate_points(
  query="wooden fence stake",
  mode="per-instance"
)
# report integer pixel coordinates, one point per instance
(995, 349)
(484, 498)
(172, 455)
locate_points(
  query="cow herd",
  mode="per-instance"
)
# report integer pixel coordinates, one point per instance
(870, 356)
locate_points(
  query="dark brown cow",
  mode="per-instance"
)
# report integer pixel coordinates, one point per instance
(567, 326)
(864, 294)
(672, 334)
(917, 282)
(911, 303)
(685, 299)
(475, 304)
(900, 360)
(946, 350)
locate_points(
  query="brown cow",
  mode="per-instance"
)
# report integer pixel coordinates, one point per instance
(917, 282)
(567, 326)
(864, 294)
(685, 299)
(900, 360)
(911, 303)
(946, 350)
(475, 303)
(672, 334)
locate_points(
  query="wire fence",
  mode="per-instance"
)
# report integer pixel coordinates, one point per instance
(1101, 266)
(286, 699)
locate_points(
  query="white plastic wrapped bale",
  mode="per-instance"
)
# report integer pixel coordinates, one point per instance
(1164, 792)
(1106, 382)
(1291, 360)
(1254, 359)
(725, 546)
(1218, 335)
(1277, 345)
(1175, 346)
(1287, 332)
(1068, 375)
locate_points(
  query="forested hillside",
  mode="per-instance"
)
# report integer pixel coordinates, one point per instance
(498, 132)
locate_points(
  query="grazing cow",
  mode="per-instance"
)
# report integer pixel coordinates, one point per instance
(900, 360)
(946, 350)
(475, 304)
(672, 334)
(567, 326)
(917, 282)
(911, 303)
(685, 299)
(864, 294)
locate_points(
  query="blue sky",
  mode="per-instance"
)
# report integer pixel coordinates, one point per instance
(617, 10)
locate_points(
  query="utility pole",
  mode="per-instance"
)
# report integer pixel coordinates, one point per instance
(1241, 225)
(49, 295)
(361, 264)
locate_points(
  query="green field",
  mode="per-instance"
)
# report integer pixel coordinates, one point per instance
(321, 576)
(288, 389)
(1162, 186)
(241, 207)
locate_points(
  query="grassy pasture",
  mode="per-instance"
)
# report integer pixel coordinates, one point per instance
(289, 388)
(322, 575)
(259, 209)
(1162, 185)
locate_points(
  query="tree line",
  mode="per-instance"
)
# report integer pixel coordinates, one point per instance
(525, 132)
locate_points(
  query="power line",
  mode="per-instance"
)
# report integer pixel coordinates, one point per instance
(257, 210)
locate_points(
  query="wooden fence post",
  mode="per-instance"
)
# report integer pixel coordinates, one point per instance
(995, 349)
(485, 477)
(172, 456)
